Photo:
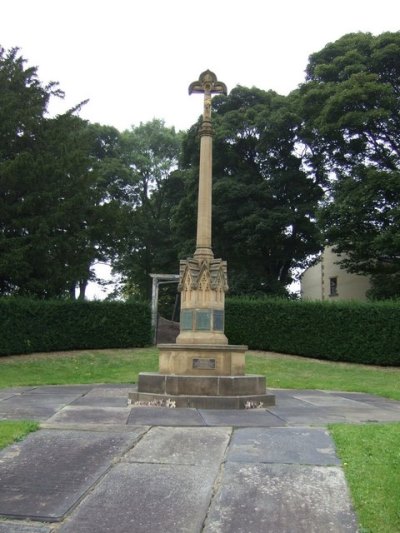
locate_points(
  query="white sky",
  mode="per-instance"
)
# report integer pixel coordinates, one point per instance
(134, 59)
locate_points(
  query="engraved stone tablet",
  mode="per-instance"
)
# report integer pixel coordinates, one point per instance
(186, 320)
(218, 320)
(203, 320)
(204, 364)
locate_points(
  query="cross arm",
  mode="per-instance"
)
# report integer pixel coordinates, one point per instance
(208, 83)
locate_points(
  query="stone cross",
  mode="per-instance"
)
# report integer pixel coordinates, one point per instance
(208, 85)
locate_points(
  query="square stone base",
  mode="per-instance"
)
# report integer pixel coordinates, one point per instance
(202, 359)
(203, 392)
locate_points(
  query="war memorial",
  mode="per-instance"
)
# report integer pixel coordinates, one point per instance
(202, 370)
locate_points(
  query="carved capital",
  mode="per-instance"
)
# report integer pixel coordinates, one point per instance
(203, 275)
(206, 129)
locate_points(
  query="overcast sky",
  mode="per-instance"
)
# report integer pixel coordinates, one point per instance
(135, 59)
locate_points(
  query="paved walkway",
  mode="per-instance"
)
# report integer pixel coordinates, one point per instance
(100, 465)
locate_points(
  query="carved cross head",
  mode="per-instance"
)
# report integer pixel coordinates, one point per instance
(208, 85)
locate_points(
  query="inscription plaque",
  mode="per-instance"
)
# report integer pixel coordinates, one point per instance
(218, 320)
(204, 364)
(203, 320)
(186, 320)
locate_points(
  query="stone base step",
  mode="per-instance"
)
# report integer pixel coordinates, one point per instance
(203, 402)
(203, 392)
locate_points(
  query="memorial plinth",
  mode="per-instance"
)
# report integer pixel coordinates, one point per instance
(202, 370)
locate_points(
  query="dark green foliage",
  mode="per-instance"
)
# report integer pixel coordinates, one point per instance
(28, 326)
(150, 153)
(346, 331)
(264, 204)
(351, 135)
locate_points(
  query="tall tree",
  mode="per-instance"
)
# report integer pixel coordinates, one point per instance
(52, 203)
(263, 202)
(23, 103)
(350, 105)
(150, 151)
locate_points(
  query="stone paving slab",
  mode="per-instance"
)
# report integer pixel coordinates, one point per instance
(360, 396)
(28, 412)
(372, 415)
(309, 415)
(31, 399)
(146, 498)
(276, 498)
(329, 401)
(316, 420)
(307, 446)
(61, 389)
(18, 527)
(117, 428)
(45, 475)
(271, 477)
(240, 418)
(109, 392)
(100, 401)
(127, 387)
(6, 395)
(184, 446)
(17, 390)
(163, 416)
(91, 415)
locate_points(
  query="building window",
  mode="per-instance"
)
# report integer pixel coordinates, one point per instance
(333, 287)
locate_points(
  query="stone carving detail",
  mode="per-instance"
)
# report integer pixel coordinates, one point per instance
(203, 275)
(207, 84)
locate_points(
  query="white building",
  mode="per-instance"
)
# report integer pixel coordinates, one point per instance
(327, 280)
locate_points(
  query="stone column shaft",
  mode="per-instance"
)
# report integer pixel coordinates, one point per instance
(204, 215)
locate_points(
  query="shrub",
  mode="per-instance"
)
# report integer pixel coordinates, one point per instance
(342, 331)
(39, 326)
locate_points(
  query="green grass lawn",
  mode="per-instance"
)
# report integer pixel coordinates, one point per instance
(370, 456)
(288, 372)
(14, 430)
(86, 366)
(370, 453)
(123, 366)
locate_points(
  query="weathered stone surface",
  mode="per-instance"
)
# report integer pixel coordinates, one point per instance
(192, 385)
(203, 402)
(144, 498)
(61, 389)
(162, 416)
(276, 498)
(175, 445)
(8, 526)
(33, 400)
(91, 415)
(116, 390)
(45, 475)
(178, 358)
(6, 395)
(152, 382)
(240, 418)
(276, 445)
(32, 413)
(17, 390)
(201, 385)
(101, 401)
(326, 400)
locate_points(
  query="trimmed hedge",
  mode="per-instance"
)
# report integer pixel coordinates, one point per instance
(28, 326)
(355, 332)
